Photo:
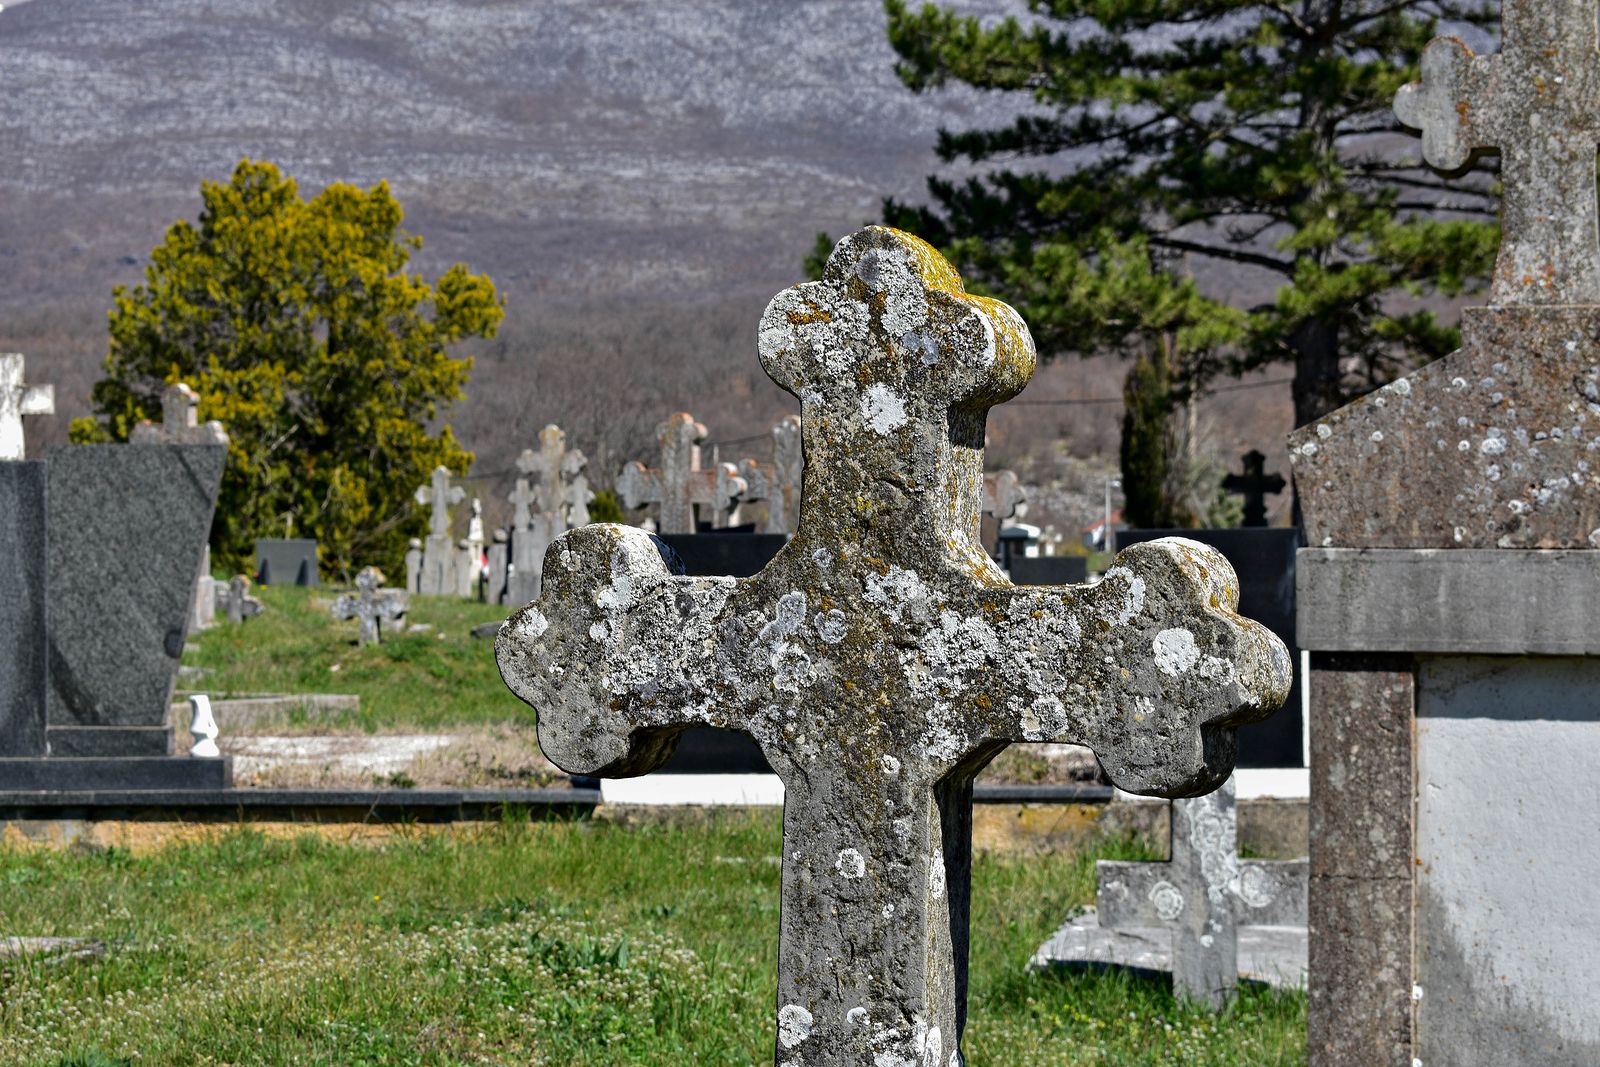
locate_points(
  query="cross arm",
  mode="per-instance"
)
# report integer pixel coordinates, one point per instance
(619, 655)
(638, 485)
(1453, 103)
(39, 400)
(1261, 892)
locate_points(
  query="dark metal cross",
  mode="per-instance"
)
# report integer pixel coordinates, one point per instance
(882, 659)
(1254, 485)
(1538, 103)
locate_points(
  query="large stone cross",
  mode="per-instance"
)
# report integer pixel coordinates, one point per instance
(441, 496)
(180, 423)
(1255, 484)
(882, 659)
(1203, 895)
(778, 482)
(680, 482)
(17, 400)
(1538, 103)
(370, 605)
(557, 472)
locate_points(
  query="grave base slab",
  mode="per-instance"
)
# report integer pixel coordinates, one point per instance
(1273, 955)
(118, 773)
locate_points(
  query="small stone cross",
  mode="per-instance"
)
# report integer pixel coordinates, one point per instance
(556, 471)
(778, 482)
(1538, 103)
(1254, 485)
(882, 659)
(371, 605)
(1002, 495)
(234, 599)
(16, 401)
(441, 496)
(180, 423)
(680, 483)
(1204, 894)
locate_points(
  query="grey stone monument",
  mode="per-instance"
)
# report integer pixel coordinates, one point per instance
(1002, 495)
(23, 648)
(371, 605)
(439, 555)
(1448, 600)
(882, 659)
(287, 561)
(414, 565)
(680, 485)
(18, 400)
(777, 482)
(499, 560)
(550, 498)
(1203, 895)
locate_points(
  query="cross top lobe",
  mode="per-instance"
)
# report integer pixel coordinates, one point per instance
(881, 660)
(1538, 103)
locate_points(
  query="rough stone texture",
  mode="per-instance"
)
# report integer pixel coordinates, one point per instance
(17, 400)
(1272, 955)
(1002, 495)
(552, 497)
(778, 482)
(1439, 600)
(371, 606)
(882, 659)
(1494, 446)
(1255, 485)
(127, 528)
(1359, 1012)
(106, 741)
(180, 423)
(1203, 895)
(23, 649)
(1508, 816)
(680, 484)
(439, 557)
(1535, 104)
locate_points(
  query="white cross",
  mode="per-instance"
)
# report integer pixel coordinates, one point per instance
(16, 401)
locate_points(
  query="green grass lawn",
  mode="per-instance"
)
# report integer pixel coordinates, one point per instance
(548, 943)
(439, 678)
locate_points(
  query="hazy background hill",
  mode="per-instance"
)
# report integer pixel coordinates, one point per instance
(638, 178)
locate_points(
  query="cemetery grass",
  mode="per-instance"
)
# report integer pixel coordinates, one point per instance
(441, 677)
(527, 943)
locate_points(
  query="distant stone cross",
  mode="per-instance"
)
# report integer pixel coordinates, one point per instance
(180, 423)
(882, 659)
(778, 482)
(441, 496)
(16, 401)
(234, 599)
(1538, 103)
(1204, 894)
(371, 605)
(1002, 495)
(680, 483)
(559, 487)
(1254, 485)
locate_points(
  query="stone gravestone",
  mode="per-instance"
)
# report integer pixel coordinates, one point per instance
(552, 496)
(1206, 916)
(24, 652)
(1002, 495)
(438, 576)
(180, 423)
(680, 485)
(16, 401)
(287, 561)
(1255, 485)
(882, 659)
(1448, 600)
(777, 482)
(413, 565)
(371, 605)
(499, 559)
(234, 599)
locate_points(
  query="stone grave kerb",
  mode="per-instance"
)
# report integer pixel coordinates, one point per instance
(680, 482)
(18, 400)
(881, 659)
(180, 422)
(1533, 102)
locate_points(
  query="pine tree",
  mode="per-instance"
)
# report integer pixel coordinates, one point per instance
(296, 323)
(1156, 136)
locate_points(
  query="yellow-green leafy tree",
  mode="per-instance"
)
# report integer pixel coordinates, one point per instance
(296, 322)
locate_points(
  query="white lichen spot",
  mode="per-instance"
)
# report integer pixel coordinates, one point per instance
(891, 766)
(1495, 443)
(936, 875)
(794, 1025)
(1594, 537)
(1308, 449)
(1464, 446)
(1377, 437)
(883, 410)
(1121, 609)
(901, 828)
(932, 1048)
(531, 625)
(822, 558)
(599, 631)
(1167, 899)
(1175, 651)
(1324, 431)
(831, 625)
(857, 1016)
(896, 591)
(1402, 386)
(850, 864)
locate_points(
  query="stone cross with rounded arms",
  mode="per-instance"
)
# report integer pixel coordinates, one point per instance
(1538, 103)
(180, 422)
(680, 482)
(441, 496)
(881, 659)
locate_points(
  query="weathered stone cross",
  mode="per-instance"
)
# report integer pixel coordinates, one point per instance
(180, 423)
(441, 496)
(1203, 894)
(555, 468)
(371, 605)
(881, 659)
(1254, 485)
(778, 482)
(680, 483)
(17, 400)
(1002, 494)
(1538, 103)
(234, 599)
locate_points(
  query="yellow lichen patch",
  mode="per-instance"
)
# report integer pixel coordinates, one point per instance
(983, 701)
(813, 312)
(936, 271)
